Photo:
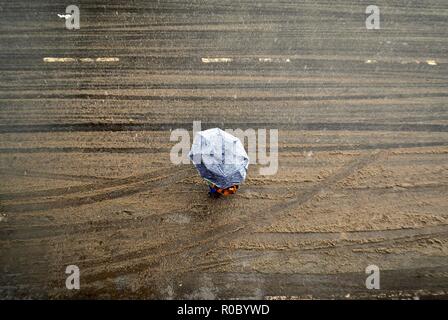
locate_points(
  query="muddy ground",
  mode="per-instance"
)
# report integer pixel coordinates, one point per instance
(86, 177)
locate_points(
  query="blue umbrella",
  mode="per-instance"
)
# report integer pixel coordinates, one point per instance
(219, 157)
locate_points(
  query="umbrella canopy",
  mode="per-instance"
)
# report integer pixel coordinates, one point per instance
(219, 157)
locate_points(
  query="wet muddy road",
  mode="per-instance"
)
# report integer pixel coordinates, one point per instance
(86, 178)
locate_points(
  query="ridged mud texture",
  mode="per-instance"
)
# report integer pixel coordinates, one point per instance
(86, 177)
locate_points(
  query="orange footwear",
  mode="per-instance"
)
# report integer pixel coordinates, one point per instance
(225, 192)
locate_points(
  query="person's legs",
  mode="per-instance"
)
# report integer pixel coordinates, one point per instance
(212, 192)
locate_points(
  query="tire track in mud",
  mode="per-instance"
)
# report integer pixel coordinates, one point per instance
(284, 252)
(220, 98)
(348, 239)
(312, 126)
(351, 235)
(249, 193)
(234, 229)
(47, 231)
(92, 187)
(143, 150)
(130, 185)
(12, 233)
(153, 266)
(205, 241)
(413, 236)
(394, 284)
(12, 87)
(48, 175)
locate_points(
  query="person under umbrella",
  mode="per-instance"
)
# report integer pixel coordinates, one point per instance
(220, 159)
